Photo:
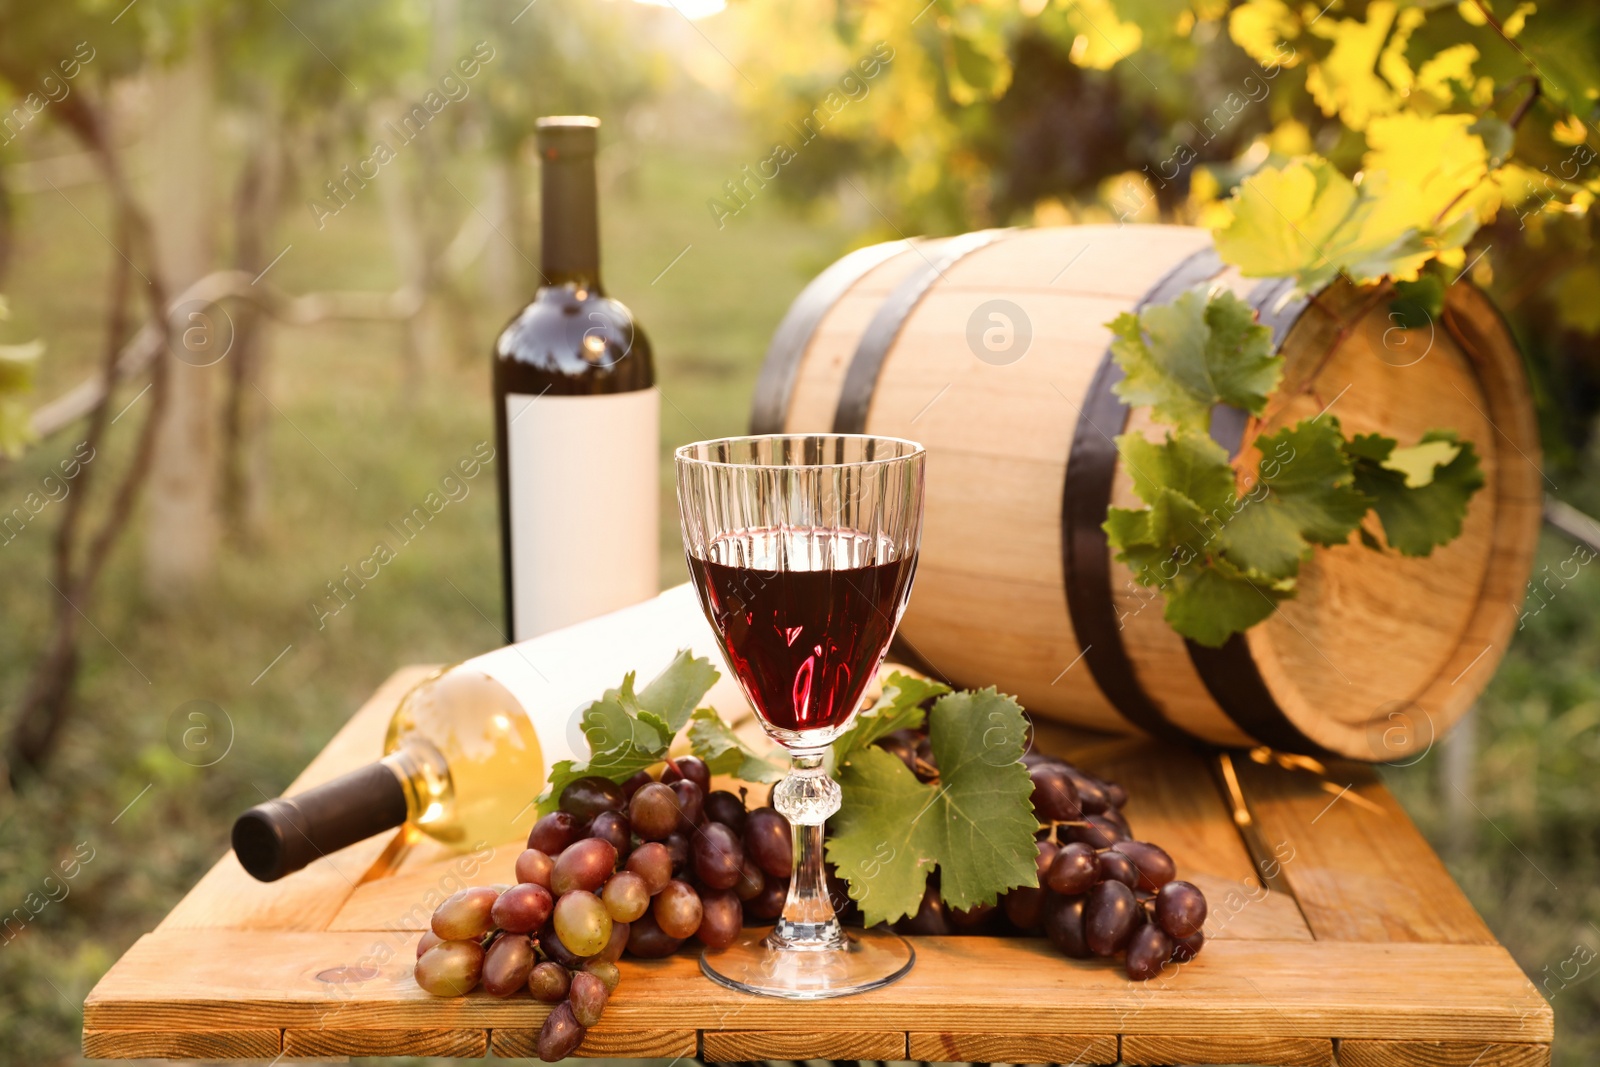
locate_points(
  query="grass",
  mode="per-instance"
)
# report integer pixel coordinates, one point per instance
(353, 446)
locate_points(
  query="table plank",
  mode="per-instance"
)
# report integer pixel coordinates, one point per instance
(389, 1041)
(1022, 986)
(257, 1044)
(735, 1046)
(606, 1042)
(1364, 1053)
(946, 1047)
(1140, 1050)
(1357, 865)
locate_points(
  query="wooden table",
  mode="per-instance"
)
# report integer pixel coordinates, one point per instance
(1335, 937)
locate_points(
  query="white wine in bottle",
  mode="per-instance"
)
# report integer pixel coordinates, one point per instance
(470, 748)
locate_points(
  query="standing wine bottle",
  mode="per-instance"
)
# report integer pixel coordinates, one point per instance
(470, 748)
(577, 418)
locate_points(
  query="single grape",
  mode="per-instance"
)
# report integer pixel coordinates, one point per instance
(721, 919)
(930, 917)
(769, 903)
(1180, 909)
(691, 804)
(678, 848)
(767, 838)
(554, 832)
(626, 896)
(561, 1034)
(1055, 798)
(1091, 796)
(523, 908)
(582, 922)
(631, 786)
(1063, 925)
(751, 880)
(612, 827)
(465, 915)
(1044, 857)
(507, 964)
(587, 996)
(548, 982)
(652, 862)
(718, 855)
(1185, 949)
(726, 808)
(649, 942)
(692, 768)
(584, 865)
(970, 920)
(653, 811)
(587, 797)
(1116, 794)
(1154, 866)
(1109, 914)
(553, 948)
(606, 971)
(1119, 820)
(450, 968)
(427, 941)
(534, 867)
(1074, 871)
(1148, 951)
(677, 910)
(620, 932)
(1096, 832)
(1024, 907)
(1116, 867)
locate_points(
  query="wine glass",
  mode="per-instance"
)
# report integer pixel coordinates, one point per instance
(802, 548)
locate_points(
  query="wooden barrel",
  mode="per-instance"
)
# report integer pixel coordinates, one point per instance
(1016, 586)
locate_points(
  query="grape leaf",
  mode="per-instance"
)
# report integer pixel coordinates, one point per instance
(726, 753)
(1310, 479)
(975, 826)
(1417, 304)
(899, 708)
(629, 731)
(1201, 352)
(1212, 603)
(1419, 508)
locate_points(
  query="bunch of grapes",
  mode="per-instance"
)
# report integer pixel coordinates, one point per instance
(639, 866)
(1100, 892)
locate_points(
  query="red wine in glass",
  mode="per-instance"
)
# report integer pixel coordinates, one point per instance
(804, 617)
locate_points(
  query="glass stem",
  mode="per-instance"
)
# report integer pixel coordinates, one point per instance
(807, 796)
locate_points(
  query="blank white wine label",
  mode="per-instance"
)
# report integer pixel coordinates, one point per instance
(585, 488)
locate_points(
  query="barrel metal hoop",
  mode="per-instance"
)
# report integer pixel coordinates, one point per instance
(775, 386)
(1230, 673)
(1085, 502)
(861, 378)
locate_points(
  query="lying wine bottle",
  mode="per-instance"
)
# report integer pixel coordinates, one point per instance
(577, 418)
(470, 748)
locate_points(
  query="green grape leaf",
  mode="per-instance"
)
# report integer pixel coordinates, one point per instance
(18, 364)
(1417, 304)
(976, 825)
(726, 753)
(1309, 477)
(629, 731)
(899, 708)
(1420, 493)
(1185, 356)
(1212, 603)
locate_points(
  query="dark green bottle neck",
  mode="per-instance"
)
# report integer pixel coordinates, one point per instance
(569, 221)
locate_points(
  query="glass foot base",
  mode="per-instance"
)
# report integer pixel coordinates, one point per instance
(870, 959)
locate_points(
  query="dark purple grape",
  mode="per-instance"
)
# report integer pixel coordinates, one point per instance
(1185, 949)
(718, 855)
(691, 804)
(587, 995)
(1091, 796)
(554, 832)
(767, 839)
(678, 848)
(631, 786)
(1024, 907)
(587, 797)
(769, 903)
(606, 971)
(620, 932)
(523, 908)
(751, 880)
(1149, 949)
(653, 811)
(465, 915)
(427, 941)
(612, 827)
(551, 945)
(1116, 867)
(930, 917)
(721, 919)
(726, 808)
(584, 865)
(1117, 819)
(649, 942)
(1116, 794)
(652, 862)
(548, 982)
(1055, 799)
(1096, 832)
(1154, 866)
(970, 920)
(1063, 925)
(677, 910)
(450, 968)
(690, 768)
(534, 867)
(1044, 858)
(626, 896)
(507, 964)
(1180, 909)
(561, 1034)
(1074, 871)
(1109, 914)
